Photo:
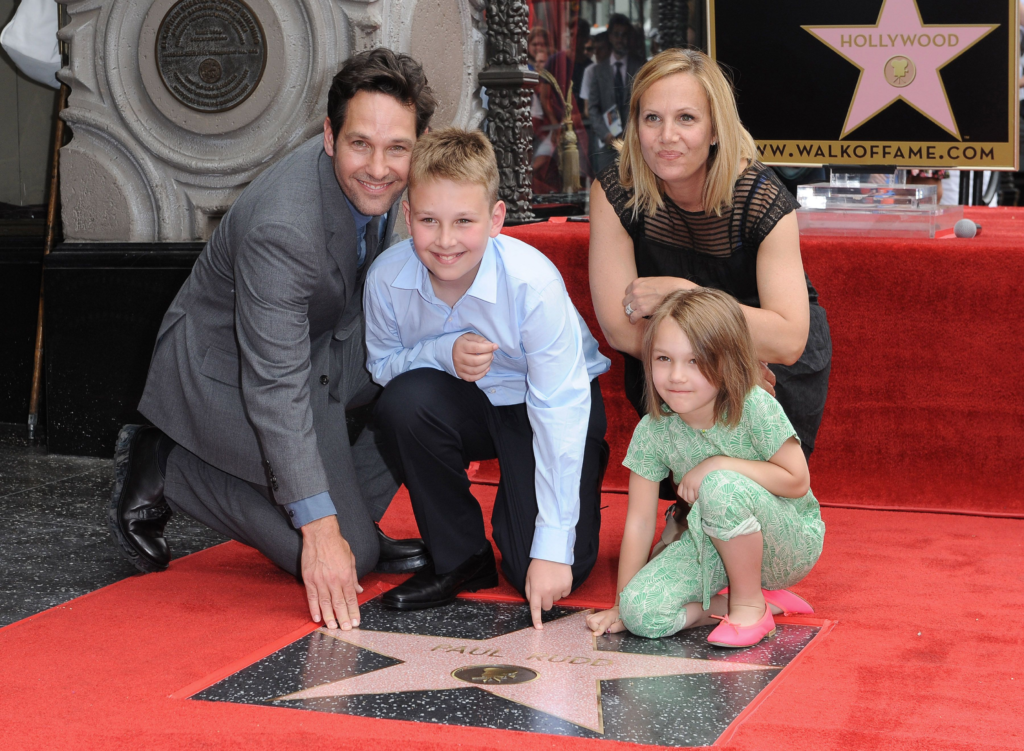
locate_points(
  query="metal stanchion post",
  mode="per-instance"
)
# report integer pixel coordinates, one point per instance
(978, 188)
(49, 238)
(965, 188)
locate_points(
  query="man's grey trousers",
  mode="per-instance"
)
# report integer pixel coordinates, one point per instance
(246, 511)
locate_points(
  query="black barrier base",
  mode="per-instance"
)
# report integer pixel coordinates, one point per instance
(21, 262)
(104, 304)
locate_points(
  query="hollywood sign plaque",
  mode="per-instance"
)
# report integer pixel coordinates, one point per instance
(912, 83)
(210, 53)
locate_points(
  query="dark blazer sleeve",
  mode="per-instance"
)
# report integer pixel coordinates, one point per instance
(276, 268)
(597, 106)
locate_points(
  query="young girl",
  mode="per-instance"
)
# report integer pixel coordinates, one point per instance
(753, 521)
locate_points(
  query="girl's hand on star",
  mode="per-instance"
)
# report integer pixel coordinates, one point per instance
(605, 622)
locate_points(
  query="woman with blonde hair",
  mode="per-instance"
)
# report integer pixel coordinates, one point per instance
(688, 205)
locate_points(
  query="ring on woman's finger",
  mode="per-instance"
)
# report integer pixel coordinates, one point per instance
(629, 310)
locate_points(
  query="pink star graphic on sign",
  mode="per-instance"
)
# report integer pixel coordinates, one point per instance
(900, 58)
(558, 670)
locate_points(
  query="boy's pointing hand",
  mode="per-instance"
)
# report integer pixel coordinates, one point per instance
(472, 356)
(547, 582)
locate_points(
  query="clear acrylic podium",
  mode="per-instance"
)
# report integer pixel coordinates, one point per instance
(876, 205)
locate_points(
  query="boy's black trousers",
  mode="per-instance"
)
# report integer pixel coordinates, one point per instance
(434, 424)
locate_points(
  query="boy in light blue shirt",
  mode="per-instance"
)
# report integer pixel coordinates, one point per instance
(483, 356)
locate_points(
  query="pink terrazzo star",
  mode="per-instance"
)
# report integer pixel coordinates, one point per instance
(882, 53)
(563, 657)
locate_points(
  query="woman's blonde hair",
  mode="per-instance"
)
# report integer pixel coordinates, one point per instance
(721, 343)
(734, 142)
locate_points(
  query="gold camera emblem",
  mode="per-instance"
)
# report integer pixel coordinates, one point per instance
(900, 71)
(494, 674)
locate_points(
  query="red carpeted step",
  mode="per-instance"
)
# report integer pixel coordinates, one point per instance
(926, 402)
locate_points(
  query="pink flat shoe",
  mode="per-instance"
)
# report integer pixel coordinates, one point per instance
(728, 634)
(790, 603)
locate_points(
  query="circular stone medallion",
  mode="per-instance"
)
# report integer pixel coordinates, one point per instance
(484, 675)
(210, 53)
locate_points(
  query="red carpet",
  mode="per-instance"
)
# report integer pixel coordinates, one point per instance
(926, 410)
(926, 654)
(926, 401)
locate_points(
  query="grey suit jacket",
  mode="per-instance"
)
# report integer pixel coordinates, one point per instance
(242, 367)
(602, 94)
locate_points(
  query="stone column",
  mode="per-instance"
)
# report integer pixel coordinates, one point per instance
(508, 82)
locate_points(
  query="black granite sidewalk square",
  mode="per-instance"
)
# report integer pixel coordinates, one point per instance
(54, 543)
(481, 664)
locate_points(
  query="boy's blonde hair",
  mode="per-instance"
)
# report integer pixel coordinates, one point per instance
(721, 343)
(734, 142)
(462, 156)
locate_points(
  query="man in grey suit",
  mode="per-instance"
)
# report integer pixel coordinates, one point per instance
(258, 388)
(611, 82)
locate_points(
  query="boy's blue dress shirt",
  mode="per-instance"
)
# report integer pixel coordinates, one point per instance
(546, 358)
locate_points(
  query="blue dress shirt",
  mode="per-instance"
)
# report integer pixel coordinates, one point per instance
(546, 358)
(320, 505)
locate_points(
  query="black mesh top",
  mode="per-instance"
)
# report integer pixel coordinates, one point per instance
(711, 251)
(721, 252)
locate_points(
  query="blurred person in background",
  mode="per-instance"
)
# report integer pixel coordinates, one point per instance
(608, 98)
(636, 44)
(561, 64)
(567, 69)
(538, 49)
(602, 50)
(655, 41)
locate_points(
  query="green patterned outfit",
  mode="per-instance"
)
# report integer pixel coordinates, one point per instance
(728, 505)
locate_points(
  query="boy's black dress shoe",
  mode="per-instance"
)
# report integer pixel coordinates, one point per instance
(138, 511)
(427, 589)
(400, 556)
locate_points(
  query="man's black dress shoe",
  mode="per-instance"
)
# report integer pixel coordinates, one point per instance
(427, 589)
(400, 556)
(138, 511)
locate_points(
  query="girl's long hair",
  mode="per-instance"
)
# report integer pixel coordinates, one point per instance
(721, 343)
(734, 142)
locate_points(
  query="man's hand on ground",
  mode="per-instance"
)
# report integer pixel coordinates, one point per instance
(472, 356)
(329, 573)
(546, 583)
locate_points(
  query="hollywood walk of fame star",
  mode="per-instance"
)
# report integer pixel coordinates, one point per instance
(557, 670)
(891, 49)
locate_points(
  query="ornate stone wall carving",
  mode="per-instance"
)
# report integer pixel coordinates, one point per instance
(507, 80)
(144, 165)
(429, 30)
(672, 22)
